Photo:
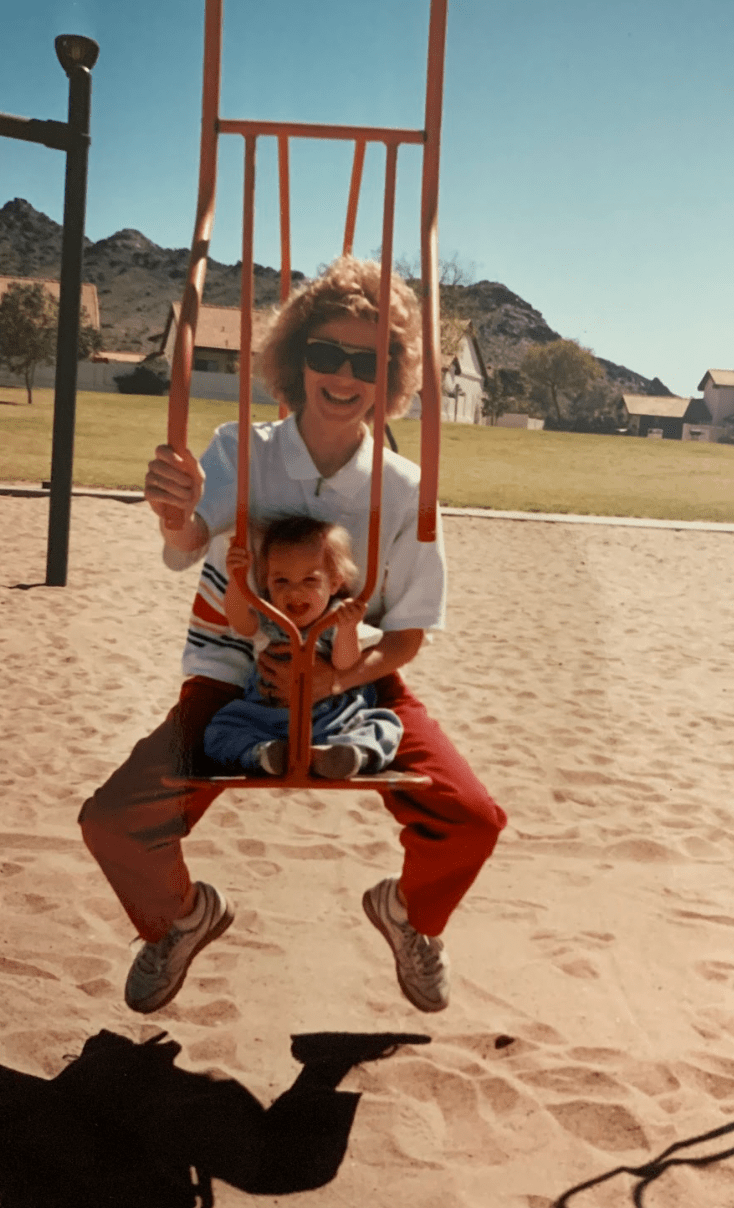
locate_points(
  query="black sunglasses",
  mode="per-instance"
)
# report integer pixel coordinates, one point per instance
(325, 357)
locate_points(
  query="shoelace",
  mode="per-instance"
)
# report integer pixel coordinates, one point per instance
(154, 956)
(424, 954)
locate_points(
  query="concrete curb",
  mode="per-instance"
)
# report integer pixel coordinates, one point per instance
(28, 490)
(701, 526)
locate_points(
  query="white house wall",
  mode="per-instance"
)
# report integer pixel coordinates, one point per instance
(517, 419)
(100, 377)
(719, 400)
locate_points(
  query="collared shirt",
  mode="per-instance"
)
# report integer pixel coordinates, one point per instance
(411, 580)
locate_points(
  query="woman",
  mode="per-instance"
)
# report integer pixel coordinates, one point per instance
(320, 360)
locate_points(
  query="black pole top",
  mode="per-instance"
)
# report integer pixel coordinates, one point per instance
(74, 50)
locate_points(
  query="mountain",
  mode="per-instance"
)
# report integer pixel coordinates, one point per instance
(137, 280)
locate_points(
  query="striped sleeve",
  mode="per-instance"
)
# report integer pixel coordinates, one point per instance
(212, 647)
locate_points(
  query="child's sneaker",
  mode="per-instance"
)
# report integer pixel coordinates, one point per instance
(337, 761)
(421, 962)
(159, 969)
(273, 757)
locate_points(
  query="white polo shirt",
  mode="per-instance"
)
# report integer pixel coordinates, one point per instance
(411, 581)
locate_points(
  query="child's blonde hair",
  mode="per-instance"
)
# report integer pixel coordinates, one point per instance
(303, 530)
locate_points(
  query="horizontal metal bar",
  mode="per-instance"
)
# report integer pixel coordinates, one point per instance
(370, 134)
(34, 130)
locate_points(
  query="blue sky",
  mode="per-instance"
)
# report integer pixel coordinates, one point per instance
(585, 158)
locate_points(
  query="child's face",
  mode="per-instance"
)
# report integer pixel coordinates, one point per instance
(299, 582)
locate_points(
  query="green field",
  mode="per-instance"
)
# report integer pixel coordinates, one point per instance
(504, 468)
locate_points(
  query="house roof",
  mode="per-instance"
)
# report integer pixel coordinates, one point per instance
(113, 358)
(663, 405)
(717, 377)
(453, 331)
(219, 327)
(89, 293)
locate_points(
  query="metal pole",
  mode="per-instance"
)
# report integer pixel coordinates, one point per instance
(71, 51)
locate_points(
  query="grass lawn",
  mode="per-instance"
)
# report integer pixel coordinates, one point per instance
(504, 468)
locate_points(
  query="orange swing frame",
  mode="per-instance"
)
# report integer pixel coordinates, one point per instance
(303, 651)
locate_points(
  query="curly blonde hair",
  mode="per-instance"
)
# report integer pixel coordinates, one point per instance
(349, 288)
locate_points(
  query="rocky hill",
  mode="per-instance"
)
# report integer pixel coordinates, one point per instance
(137, 280)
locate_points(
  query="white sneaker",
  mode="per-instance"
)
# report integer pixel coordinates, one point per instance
(273, 757)
(421, 962)
(337, 761)
(159, 969)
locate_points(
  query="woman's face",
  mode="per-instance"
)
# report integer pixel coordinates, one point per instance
(338, 399)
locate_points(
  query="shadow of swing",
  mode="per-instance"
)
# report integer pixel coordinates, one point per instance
(122, 1125)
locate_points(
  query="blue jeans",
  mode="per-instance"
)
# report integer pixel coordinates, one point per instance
(235, 733)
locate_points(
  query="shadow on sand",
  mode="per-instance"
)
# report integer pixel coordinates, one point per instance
(121, 1125)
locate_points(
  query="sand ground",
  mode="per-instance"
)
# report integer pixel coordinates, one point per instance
(586, 673)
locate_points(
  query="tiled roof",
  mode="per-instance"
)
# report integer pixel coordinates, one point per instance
(219, 327)
(89, 293)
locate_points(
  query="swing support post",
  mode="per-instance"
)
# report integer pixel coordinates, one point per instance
(77, 55)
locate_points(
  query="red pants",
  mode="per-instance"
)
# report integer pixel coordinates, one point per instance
(133, 825)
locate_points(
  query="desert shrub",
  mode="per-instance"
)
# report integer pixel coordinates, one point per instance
(147, 378)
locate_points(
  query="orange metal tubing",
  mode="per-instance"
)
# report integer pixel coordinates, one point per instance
(247, 295)
(302, 657)
(353, 203)
(183, 354)
(285, 231)
(383, 337)
(431, 392)
(373, 134)
(303, 654)
(285, 218)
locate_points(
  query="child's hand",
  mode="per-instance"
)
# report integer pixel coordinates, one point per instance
(237, 557)
(350, 613)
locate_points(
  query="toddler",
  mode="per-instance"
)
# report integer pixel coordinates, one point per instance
(304, 568)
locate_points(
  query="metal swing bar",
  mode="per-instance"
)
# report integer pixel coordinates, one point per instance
(303, 651)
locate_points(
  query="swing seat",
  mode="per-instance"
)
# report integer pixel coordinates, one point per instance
(297, 775)
(294, 780)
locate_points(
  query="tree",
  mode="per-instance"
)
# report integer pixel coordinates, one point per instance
(29, 317)
(453, 278)
(506, 386)
(561, 367)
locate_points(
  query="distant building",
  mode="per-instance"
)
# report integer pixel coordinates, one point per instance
(90, 301)
(718, 392)
(107, 357)
(665, 416)
(464, 377)
(518, 419)
(217, 341)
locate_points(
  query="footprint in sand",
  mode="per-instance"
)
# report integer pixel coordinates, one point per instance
(213, 1014)
(717, 971)
(10, 870)
(607, 1126)
(574, 1080)
(85, 968)
(564, 951)
(723, 920)
(99, 987)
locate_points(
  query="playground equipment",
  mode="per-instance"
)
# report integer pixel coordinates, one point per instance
(303, 650)
(77, 55)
